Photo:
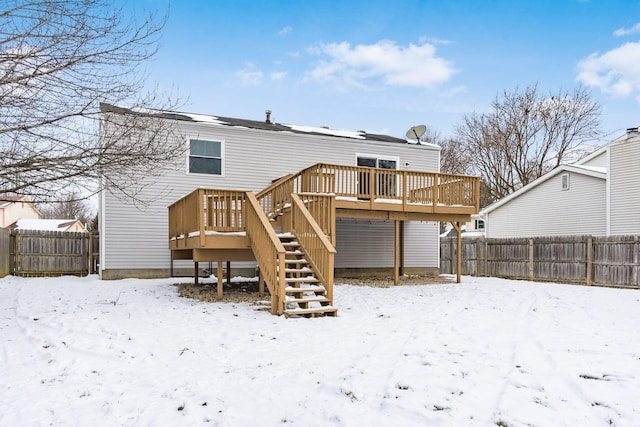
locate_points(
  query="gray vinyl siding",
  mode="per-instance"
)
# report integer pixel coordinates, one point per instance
(625, 187)
(363, 243)
(135, 236)
(598, 161)
(547, 210)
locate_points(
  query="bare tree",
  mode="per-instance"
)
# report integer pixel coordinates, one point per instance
(58, 61)
(526, 135)
(71, 206)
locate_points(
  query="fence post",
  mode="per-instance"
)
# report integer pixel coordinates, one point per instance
(451, 249)
(478, 246)
(531, 260)
(589, 260)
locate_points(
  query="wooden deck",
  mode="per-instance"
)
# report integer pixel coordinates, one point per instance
(236, 225)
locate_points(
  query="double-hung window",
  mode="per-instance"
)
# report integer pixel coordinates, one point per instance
(205, 157)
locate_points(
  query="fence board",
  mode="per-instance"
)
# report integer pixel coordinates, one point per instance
(606, 261)
(5, 252)
(50, 253)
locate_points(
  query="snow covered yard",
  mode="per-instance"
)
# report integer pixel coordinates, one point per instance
(78, 351)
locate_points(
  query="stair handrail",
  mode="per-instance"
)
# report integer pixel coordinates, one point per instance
(268, 250)
(318, 249)
(275, 197)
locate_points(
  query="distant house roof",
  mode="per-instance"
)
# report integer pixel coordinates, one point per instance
(593, 171)
(6, 201)
(261, 125)
(45, 224)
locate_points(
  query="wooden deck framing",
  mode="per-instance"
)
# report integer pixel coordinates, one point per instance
(236, 225)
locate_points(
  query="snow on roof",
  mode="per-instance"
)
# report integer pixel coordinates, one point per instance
(262, 125)
(44, 224)
(205, 118)
(329, 131)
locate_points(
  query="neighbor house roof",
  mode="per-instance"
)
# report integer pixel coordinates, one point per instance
(6, 201)
(261, 125)
(44, 224)
(593, 171)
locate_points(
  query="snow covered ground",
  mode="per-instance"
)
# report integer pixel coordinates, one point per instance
(78, 351)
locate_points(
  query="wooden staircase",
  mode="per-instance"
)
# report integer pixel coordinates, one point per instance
(305, 294)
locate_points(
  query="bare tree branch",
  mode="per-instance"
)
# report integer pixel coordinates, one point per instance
(59, 60)
(526, 135)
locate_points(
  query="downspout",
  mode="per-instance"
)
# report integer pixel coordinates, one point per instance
(608, 191)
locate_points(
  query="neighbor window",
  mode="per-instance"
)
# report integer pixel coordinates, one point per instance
(205, 157)
(564, 181)
(479, 225)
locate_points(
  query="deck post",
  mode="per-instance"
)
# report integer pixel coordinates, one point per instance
(401, 272)
(229, 272)
(260, 284)
(220, 280)
(396, 253)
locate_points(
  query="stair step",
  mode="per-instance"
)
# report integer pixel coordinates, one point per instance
(318, 298)
(293, 244)
(311, 288)
(312, 312)
(296, 261)
(298, 270)
(308, 279)
(296, 252)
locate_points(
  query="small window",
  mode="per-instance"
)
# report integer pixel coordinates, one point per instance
(205, 157)
(479, 224)
(564, 181)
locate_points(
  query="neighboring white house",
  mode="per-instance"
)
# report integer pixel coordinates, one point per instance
(599, 195)
(228, 153)
(13, 208)
(68, 225)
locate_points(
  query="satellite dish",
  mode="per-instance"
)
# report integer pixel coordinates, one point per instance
(416, 133)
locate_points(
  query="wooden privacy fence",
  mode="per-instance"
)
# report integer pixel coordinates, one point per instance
(590, 260)
(5, 252)
(49, 253)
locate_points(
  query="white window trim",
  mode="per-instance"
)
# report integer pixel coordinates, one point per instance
(378, 157)
(222, 156)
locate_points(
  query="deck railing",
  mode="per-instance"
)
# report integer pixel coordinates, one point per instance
(268, 250)
(217, 210)
(320, 252)
(374, 185)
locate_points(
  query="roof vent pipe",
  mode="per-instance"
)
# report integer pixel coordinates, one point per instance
(632, 132)
(268, 119)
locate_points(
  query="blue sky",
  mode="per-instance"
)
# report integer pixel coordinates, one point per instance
(384, 66)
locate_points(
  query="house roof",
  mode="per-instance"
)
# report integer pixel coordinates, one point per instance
(44, 224)
(593, 171)
(7, 200)
(262, 125)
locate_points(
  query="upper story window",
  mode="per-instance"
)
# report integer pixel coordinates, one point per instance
(564, 181)
(205, 157)
(479, 224)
